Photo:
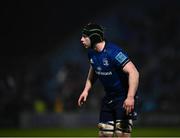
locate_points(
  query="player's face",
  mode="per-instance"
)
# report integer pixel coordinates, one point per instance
(85, 41)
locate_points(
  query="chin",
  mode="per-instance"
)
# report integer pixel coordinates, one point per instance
(86, 46)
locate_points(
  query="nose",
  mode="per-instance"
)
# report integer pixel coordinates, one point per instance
(82, 39)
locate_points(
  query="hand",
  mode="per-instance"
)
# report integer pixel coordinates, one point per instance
(82, 98)
(128, 104)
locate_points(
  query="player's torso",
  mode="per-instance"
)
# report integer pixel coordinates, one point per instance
(102, 64)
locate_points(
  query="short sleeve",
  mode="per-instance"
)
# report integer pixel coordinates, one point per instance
(120, 58)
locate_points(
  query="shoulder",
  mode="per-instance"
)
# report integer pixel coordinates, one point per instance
(118, 56)
(113, 49)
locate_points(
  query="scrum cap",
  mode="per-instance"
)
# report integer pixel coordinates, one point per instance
(95, 32)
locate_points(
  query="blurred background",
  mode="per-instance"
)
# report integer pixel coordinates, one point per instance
(44, 67)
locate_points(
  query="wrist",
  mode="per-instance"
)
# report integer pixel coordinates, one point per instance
(86, 91)
(130, 96)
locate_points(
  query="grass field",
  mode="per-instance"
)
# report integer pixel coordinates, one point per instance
(86, 132)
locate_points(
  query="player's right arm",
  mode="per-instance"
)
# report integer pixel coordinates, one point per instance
(91, 78)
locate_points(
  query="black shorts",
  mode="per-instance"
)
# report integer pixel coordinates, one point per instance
(112, 110)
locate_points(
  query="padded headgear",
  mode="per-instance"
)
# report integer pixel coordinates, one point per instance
(95, 32)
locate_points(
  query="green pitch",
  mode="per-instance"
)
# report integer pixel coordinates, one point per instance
(86, 132)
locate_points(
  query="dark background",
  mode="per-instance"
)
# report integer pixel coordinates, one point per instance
(31, 29)
(40, 40)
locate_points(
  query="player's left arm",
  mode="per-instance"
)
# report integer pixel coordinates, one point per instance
(133, 80)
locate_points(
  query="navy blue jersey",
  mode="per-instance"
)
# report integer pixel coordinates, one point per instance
(108, 65)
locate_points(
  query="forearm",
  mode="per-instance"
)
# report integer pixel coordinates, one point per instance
(88, 85)
(133, 83)
(90, 80)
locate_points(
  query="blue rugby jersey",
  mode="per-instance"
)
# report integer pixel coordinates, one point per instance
(108, 65)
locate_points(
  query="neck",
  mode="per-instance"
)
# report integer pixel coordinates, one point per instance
(99, 46)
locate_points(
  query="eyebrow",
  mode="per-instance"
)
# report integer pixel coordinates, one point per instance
(84, 35)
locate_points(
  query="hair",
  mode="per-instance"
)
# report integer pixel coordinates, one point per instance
(95, 32)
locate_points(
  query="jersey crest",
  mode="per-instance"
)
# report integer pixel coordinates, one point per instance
(105, 62)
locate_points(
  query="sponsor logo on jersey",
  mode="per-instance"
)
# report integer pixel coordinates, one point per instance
(103, 73)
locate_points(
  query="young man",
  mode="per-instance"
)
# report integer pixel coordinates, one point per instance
(120, 78)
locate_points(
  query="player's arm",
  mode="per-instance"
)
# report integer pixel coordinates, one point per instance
(133, 80)
(91, 78)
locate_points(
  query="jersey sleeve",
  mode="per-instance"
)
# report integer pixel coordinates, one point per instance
(120, 58)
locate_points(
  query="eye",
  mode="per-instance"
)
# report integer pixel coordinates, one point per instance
(85, 36)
